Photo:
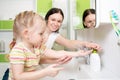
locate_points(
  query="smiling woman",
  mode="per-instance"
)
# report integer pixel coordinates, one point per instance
(89, 18)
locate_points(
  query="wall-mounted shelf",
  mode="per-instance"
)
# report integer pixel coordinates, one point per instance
(6, 25)
(3, 57)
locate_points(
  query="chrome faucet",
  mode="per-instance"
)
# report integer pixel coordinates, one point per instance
(87, 57)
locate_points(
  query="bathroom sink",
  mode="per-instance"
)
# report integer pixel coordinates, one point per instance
(88, 74)
(77, 69)
(69, 73)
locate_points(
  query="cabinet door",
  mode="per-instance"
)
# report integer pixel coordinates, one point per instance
(43, 6)
(6, 24)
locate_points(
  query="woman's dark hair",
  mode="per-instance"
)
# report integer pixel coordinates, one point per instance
(53, 11)
(86, 13)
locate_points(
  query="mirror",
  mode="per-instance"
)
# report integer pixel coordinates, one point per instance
(73, 11)
(89, 15)
(78, 6)
(88, 18)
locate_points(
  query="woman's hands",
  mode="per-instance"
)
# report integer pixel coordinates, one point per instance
(83, 52)
(93, 46)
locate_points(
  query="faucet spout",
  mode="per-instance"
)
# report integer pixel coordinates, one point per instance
(87, 59)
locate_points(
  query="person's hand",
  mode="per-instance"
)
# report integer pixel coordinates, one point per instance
(64, 59)
(84, 53)
(94, 46)
(53, 70)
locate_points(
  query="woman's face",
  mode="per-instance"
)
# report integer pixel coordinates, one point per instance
(54, 21)
(90, 21)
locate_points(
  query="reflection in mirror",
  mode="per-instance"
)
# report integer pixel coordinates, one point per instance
(83, 10)
(88, 18)
(92, 15)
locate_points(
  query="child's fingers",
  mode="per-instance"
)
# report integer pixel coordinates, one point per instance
(54, 69)
(64, 59)
(57, 67)
(60, 68)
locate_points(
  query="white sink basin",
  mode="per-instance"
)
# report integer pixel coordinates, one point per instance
(75, 70)
(78, 70)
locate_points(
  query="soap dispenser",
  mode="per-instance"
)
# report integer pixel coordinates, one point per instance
(95, 62)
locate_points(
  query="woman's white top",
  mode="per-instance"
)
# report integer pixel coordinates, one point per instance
(51, 40)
